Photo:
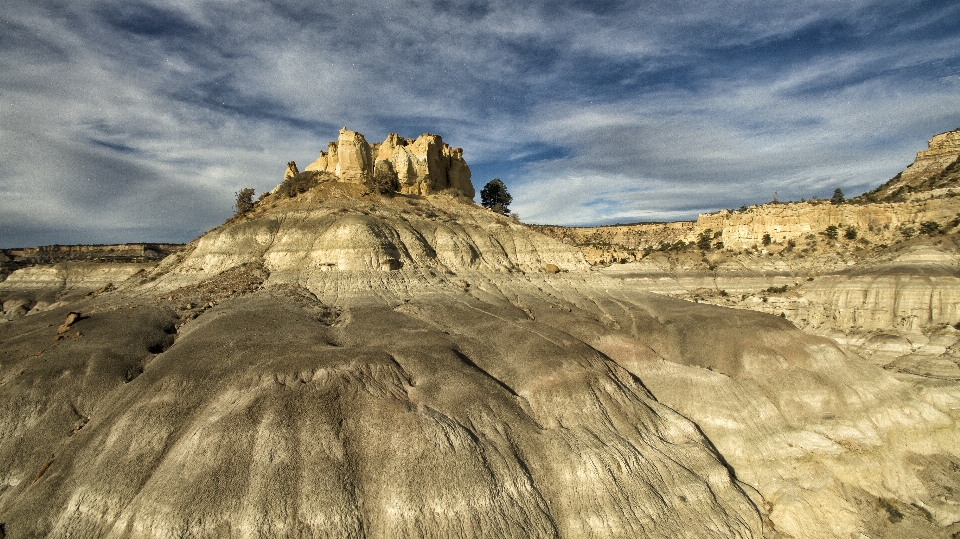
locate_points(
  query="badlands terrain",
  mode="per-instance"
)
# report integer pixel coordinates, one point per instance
(342, 362)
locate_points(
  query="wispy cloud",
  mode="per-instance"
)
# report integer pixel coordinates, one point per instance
(138, 120)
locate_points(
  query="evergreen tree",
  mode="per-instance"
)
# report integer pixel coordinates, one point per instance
(837, 197)
(494, 195)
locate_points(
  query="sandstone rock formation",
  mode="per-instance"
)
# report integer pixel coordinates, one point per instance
(936, 168)
(407, 367)
(343, 365)
(927, 190)
(422, 166)
(785, 222)
(291, 171)
(942, 150)
(877, 223)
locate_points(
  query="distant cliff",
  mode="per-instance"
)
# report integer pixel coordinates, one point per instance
(927, 191)
(937, 167)
(51, 254)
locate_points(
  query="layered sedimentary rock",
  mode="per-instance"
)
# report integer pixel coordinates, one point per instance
(37, 288)
(912, 200)
(426, 368)
(785, 222)
(334, 364)
(50, 254)
(884, 223)
(942, 150)
(421, 166)
(902, 298)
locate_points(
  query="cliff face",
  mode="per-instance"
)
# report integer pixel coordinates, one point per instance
(882, 223)
(420, 166)
(937, 167)
(127, 252)
(942, 150)
(927, 191)
(889, 266)
(784, 222)
(17, 264)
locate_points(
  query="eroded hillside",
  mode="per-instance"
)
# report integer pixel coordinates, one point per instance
(340, 363)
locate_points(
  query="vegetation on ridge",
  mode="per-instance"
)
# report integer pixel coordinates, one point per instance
(494, 196)
(244, 200)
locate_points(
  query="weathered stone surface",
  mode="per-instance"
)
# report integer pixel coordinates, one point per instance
(123, 253)
(784, 222)
(354, 159)
(942, 150)
(436, 234)
(343, 365)
(422, 166)
(68, 322)
(885, 223)
(36, 288)
(291, 170)
(327, 162)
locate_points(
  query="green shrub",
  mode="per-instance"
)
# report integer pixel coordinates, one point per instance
(832, 232)
(893, 514)
(850, 233)
(244, 200)
(704, 239)
(302, 182)
(929, 227)
(384, 182)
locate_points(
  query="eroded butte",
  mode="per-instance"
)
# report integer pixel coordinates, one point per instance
(345, 364)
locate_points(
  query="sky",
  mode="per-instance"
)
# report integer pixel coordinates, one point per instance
(138, 121)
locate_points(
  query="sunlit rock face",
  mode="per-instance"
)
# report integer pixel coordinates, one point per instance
(942, 150)
(421, 166)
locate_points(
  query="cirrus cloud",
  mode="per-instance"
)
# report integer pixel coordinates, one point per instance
(138, 120)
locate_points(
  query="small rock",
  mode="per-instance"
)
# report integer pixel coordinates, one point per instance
(65, 326)
(105, 288)
(551, 268)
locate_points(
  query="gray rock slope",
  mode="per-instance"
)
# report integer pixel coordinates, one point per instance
(405, 368)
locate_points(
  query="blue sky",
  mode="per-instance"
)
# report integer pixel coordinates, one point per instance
(136, 121)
